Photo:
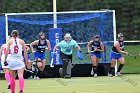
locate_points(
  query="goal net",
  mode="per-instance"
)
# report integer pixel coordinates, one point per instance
(82, 25)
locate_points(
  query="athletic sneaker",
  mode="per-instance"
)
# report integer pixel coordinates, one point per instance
(110, 75)
(95, 75)
(92, 72)
(61, 72)
(33, 66)
(31, 77)
(20, 91)
(118, 74)
(67, 77)
(8, 86)
(36, 78)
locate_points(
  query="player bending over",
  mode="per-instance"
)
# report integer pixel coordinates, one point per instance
(116, 54)
(66, 47)
(15, 60)
(5, 68)
(95, 52)
(40, 55)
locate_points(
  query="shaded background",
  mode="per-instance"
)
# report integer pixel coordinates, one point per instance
(127, 11)
(127, 18)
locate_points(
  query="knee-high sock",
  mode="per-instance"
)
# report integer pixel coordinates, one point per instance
(95, 69)
(12, 85)
(21, 83)
(120, 67)
(7, 77)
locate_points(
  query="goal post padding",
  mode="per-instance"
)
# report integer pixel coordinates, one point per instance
(82, 25)
(55, 36)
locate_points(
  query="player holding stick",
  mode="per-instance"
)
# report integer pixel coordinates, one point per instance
(66, 47)
(116, 54)
(15, 59)
(97, 48)
(40, 55)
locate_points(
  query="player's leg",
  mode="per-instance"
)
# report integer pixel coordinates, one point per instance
(112, 68)
(29, 69)
(6, 73)
(12, 81)
(37, 68)
(7, 76)
(122, 62)
(96, 67)
(94, 64)
(69, 66)
(21, 79)
(37, 64)
(65, 72)
(41, 65)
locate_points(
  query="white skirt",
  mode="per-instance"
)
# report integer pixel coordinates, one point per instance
(2, 64)
(15, 64)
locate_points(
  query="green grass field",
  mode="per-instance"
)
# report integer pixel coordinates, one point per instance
(124, 84)
(131, 66)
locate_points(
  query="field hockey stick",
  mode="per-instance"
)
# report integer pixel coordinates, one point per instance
(36, 61)
(133, 56)
(28, 70)
(29, 52)
(51, 65)
(90, 52)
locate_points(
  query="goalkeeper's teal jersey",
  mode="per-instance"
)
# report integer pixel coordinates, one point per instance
(67, 47)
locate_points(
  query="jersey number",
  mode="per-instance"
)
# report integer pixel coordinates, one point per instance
(15, 49)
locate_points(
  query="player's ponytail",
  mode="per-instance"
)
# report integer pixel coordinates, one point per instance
(14, 35)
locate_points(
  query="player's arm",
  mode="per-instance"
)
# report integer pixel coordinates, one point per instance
(77, 46)
(7, 50)
(0, 53)
(27, 48)
(33, 44)
(102, 48)
(117, 45)
(60, 44)
(1, 49)
(88, 46)
(25, 52)
(56, 46)
(48, 44)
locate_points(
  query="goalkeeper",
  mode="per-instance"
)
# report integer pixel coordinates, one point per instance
(66, 47)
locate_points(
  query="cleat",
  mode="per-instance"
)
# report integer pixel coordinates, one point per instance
(36, 78)
(20, 91)
(95, 75)
(30, 77)
(118, 74)
(110, 75)
(8, 86)
(92, 72)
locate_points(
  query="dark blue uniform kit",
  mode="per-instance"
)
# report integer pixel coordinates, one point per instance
(40, 50)
(96, 45)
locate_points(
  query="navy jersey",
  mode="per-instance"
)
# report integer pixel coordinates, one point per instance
(41, 47)
(121, 47)
(95, 45)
